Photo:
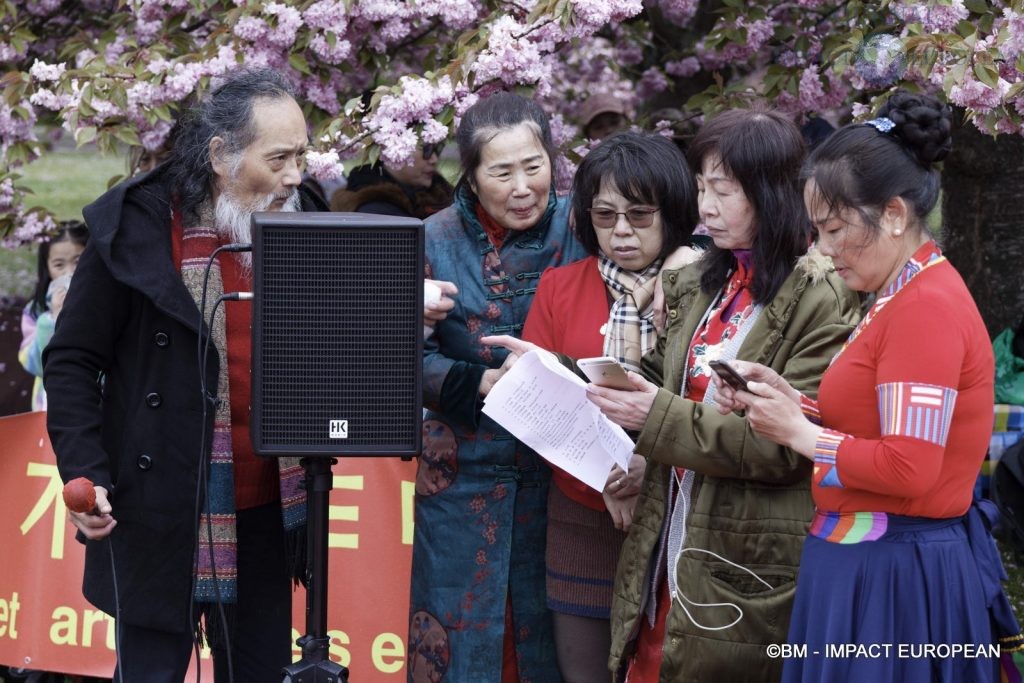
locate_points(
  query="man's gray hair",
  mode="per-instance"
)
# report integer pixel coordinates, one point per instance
(227, 112)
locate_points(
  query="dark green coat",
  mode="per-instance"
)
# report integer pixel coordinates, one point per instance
(751, 500)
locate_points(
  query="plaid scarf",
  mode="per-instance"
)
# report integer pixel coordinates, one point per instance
(197, 244)
(630, 331)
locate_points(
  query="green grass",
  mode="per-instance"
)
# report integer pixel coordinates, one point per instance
(63, 182)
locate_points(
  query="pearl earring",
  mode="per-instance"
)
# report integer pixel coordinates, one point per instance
(897, 232)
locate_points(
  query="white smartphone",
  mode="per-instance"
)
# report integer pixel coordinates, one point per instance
(605, 371)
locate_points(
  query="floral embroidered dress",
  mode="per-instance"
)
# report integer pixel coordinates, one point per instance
(478, 550)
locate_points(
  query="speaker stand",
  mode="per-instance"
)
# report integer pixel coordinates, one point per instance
(315, 665)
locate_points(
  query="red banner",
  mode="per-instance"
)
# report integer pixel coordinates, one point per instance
(46, 624)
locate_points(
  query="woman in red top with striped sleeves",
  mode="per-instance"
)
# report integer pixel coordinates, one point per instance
(897, 560)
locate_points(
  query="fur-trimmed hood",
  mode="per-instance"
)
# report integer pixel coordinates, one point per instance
(815, 264)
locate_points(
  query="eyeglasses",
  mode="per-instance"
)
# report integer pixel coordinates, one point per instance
(431, 150)
(637, 217)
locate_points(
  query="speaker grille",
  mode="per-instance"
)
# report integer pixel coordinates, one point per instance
(337, 348)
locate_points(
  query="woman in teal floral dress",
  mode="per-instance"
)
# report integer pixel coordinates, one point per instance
(477, 606)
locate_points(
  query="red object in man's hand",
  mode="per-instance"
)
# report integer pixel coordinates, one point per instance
(80, 495)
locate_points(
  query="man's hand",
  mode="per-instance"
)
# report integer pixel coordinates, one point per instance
(97, 523)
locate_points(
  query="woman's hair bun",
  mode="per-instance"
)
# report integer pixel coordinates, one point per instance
(923, 124)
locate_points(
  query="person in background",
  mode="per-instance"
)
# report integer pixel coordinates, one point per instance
(896, 550)
(634, 203)
(57, 260)
(143, 434)
(602, 115)
(415, 189)
(142, 160)
(477, 607)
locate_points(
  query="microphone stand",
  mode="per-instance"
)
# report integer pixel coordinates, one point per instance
(315, 665)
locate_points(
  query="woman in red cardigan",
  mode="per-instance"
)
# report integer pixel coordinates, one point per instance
(634, 202)
(898, 561)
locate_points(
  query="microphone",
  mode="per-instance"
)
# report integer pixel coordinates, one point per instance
(80, 495)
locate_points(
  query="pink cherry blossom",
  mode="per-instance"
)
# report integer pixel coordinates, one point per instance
(41, 71)
(325, 165)
(1013, 25)
(652, 81)
(683, 68)
(973, 94)
(934, 17)
(679, 12)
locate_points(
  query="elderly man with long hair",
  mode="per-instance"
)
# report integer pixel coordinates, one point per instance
(139, 434)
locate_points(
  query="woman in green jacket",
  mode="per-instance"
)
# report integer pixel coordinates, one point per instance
(706, 577)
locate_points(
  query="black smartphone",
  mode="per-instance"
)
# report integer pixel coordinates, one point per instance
(728, 373)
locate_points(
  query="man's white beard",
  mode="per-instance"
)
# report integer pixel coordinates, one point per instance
(233, 220)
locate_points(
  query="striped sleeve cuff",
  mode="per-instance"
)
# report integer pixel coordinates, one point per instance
(920, 411)
(825, 451)
(810, 409)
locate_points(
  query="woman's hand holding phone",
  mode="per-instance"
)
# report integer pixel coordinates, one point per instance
(729, 375)
(628, 409)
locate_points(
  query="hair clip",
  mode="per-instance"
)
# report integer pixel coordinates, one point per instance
(882, 124)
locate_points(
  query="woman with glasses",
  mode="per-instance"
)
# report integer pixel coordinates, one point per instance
(634, 202)
(414, 189)
(706, 576)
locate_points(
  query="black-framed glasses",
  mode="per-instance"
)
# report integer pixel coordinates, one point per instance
(431, 150)
(638, 217)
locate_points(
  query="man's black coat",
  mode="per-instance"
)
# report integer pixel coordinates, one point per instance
(129, 318)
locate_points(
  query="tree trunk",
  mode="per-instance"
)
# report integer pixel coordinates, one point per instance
(983, 216)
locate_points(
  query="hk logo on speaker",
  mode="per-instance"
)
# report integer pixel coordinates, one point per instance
(339, 429)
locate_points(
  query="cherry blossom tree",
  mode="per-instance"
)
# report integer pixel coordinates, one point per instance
(116, 72)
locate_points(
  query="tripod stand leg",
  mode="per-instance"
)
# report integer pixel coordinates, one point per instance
(315, 665)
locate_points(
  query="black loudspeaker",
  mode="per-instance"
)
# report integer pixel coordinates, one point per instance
(337, 325)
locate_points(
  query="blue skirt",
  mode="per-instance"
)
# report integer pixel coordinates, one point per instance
(913, 604)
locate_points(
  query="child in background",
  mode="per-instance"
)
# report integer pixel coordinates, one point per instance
(57, 260)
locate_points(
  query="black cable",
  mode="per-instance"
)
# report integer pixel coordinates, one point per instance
(117, 613)
(235, 296)
(202, 352)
